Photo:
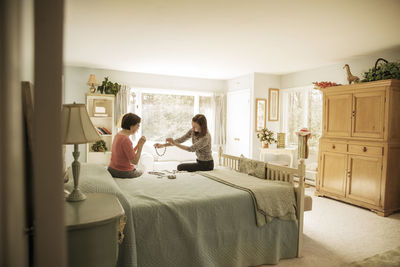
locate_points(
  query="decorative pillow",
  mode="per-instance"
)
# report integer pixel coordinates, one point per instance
(252, 167)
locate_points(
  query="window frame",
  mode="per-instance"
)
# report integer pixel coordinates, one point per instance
(305, 91)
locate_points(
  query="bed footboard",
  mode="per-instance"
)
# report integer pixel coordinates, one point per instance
(278, 173)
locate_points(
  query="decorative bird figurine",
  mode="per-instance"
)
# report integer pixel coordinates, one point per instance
(350, 77)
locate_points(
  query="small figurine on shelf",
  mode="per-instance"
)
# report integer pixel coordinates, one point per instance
(266, 137)
(350, 77)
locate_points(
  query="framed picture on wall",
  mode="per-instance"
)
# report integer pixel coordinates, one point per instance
(273, 111)
(261, 114)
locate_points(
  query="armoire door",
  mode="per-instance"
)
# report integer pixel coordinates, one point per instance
(369, 114)
(365, 177)
(333, 173)
(337, 115)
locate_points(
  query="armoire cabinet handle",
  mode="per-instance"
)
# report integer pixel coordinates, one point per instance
(365, 149)
(333, 146)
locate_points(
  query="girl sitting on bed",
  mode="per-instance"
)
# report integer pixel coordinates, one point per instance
(124, 156)
(201, 140)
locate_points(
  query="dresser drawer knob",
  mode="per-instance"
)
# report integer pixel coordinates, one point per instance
(365, 149)
(333, 146)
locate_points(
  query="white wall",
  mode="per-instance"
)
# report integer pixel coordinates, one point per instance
(240, 83)
(258, 83)
(75, 79)
(262, 82)
(75, 88)
(336, 73)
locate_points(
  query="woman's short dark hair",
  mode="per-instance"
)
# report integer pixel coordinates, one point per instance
(201, 120)
(129, 120)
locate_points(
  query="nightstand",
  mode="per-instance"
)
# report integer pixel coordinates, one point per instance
(94, 227)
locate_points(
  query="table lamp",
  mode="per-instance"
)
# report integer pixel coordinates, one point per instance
(92, 82)
(77, 128)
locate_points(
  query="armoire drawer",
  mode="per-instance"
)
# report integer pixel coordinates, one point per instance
(334, 147)
(365, 150)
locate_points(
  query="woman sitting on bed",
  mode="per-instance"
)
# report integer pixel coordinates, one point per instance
(124, 156)
(201, 140)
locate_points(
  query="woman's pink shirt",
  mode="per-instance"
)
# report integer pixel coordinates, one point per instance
(122, 153)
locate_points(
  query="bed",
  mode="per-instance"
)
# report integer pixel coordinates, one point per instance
(200, 219)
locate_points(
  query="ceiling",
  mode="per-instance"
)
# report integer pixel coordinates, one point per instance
(222, 39)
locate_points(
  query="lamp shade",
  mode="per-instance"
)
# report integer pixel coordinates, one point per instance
(92, 80)
(77, 128)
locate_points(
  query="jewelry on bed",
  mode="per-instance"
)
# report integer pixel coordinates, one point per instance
(165, 149)
(156, 173)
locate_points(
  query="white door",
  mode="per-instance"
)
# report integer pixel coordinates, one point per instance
(238, 123)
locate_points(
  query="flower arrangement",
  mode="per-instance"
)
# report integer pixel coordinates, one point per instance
(266, 136)
(319, 85)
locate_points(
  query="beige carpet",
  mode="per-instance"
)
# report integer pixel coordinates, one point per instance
(337, 234)
(390, 258)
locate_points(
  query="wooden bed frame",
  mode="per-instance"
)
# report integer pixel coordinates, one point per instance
(278, 173)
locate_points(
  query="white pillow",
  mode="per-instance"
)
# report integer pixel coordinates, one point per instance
(174, 153)
(146, 162)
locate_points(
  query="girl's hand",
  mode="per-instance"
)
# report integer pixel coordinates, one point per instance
(158, 145)
(170, 141)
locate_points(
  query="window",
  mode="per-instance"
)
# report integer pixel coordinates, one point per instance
(167, 113)
(302, 108)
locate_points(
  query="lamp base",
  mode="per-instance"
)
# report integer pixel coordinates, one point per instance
(76, 195)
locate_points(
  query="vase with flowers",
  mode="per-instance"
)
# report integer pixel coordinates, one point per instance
(266, 137)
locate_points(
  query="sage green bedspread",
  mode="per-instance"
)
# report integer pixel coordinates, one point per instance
(192, 221)
(272, 199)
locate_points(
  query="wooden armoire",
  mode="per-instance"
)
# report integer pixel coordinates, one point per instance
(359, 151)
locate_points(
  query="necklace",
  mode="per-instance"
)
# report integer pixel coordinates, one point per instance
(165, 149)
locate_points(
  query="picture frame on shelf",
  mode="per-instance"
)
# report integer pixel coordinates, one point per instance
(273, 107)
(261, 114)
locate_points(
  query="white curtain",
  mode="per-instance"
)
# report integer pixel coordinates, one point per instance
(219, 107)
(121, 103)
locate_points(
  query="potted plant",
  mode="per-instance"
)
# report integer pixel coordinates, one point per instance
(108, 87)
(384, 71)
(99, 146)
(266, 137)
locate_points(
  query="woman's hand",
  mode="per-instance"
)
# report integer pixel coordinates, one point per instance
(142, 140)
